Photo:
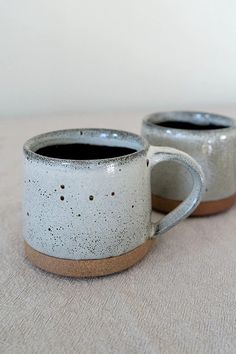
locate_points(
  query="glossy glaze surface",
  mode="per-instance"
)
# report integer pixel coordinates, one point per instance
(87, 209)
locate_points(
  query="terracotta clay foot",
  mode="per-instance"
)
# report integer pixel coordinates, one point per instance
(87, 268)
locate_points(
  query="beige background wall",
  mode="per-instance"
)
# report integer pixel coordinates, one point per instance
(73, 55)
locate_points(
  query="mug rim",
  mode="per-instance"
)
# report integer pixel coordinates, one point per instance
(165, 116)
(43, 139)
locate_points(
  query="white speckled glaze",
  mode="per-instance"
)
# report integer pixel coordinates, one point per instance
(118, 218)
(213, 149)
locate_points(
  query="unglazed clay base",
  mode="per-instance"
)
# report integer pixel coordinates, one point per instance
(205, 208)
(87, 268)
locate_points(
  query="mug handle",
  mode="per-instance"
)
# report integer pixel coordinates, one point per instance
(184, 209)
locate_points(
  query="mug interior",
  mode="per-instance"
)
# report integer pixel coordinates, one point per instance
(85, 144)
(199, 121)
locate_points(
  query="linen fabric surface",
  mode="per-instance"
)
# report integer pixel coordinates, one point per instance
(180, 299)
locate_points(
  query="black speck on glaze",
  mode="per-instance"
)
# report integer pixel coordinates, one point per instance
(62, 186)
(62, 197)
(112, 193)
(91, 197)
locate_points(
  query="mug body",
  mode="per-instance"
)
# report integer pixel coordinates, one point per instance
(86, 209)
(211, 140)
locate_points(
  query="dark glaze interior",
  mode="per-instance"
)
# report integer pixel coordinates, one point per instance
(190, 126)
(83, 151)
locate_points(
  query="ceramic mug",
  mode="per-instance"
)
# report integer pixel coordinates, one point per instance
(87, 207)
(211, 140)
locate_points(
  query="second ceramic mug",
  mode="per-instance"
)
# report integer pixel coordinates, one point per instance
(87, 207)
(211, 140)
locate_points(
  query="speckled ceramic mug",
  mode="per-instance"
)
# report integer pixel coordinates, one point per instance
(211, 140)
(93, 217)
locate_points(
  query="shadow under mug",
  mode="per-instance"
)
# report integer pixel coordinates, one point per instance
(87, 209)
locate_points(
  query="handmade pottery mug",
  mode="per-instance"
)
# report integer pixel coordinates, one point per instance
(211, 140)
(87, 207)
